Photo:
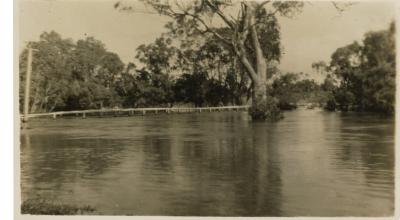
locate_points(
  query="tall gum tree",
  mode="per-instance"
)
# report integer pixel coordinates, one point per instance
(240, 25)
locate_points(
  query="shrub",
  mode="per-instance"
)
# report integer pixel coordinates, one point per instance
(266, 110)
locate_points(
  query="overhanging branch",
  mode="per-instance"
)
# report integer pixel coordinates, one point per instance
(220, 14)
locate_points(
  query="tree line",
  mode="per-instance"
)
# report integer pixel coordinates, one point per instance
(70, 75)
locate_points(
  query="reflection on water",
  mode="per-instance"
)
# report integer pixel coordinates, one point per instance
(312, 163)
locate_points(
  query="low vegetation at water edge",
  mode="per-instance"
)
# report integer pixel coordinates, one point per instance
(42, 206)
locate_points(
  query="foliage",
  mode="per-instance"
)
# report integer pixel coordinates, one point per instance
(153, 83)
(290, 91)
(85, 75)
(52, 72)
(157, 57)
(94, 73)
(366, 73)
(196, 88)
(68, 76)
(266, 110)
(191, 88)
(251, 34)
(284, 90)
(143, 89)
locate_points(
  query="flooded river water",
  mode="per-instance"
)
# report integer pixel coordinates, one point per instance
(311, 163)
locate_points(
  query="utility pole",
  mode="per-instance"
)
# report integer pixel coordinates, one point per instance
(27, 84)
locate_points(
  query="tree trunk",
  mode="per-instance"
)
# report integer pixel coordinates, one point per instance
(259, 94)
(261, 108)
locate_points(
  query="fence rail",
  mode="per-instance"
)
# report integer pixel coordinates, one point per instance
(134, 111)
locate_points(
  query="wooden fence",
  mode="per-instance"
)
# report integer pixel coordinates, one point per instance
(133, 111)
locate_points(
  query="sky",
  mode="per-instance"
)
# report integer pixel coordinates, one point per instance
(310, 36)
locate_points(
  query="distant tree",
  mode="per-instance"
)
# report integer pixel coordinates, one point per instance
(217, 93)
(379, 67)
(191, 88)
(321, 68)
(283, 88)
(366, 73)
(94, 73)
(109, 69)
(289, 90)
(51, 72)
(155, 77)
(157, 57)
(125, 86)
(87, 58)
(69, 76)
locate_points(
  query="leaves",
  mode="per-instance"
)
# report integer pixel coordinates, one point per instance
(367, 73)
(288, 8)
(68, 75)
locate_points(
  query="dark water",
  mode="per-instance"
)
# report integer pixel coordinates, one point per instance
(312, 163)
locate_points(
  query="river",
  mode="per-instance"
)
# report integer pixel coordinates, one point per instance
(311, 163)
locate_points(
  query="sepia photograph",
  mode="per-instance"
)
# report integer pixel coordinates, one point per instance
(205, 108)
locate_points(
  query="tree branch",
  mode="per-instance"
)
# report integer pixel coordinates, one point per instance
(208, 29)
(220, 14)
(246, 23)
(263, 3)
(343, 7)
(257, 47)
(241, 53)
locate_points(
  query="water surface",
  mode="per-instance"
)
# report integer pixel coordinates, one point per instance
(312, 163)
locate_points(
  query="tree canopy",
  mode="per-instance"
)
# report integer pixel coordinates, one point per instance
(366, 73)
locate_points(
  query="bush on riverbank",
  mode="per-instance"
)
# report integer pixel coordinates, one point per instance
(41, 206)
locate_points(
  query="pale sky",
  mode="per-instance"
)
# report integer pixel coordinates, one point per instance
(311, 36)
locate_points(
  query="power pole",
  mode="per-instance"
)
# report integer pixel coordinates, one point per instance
(27, 84)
